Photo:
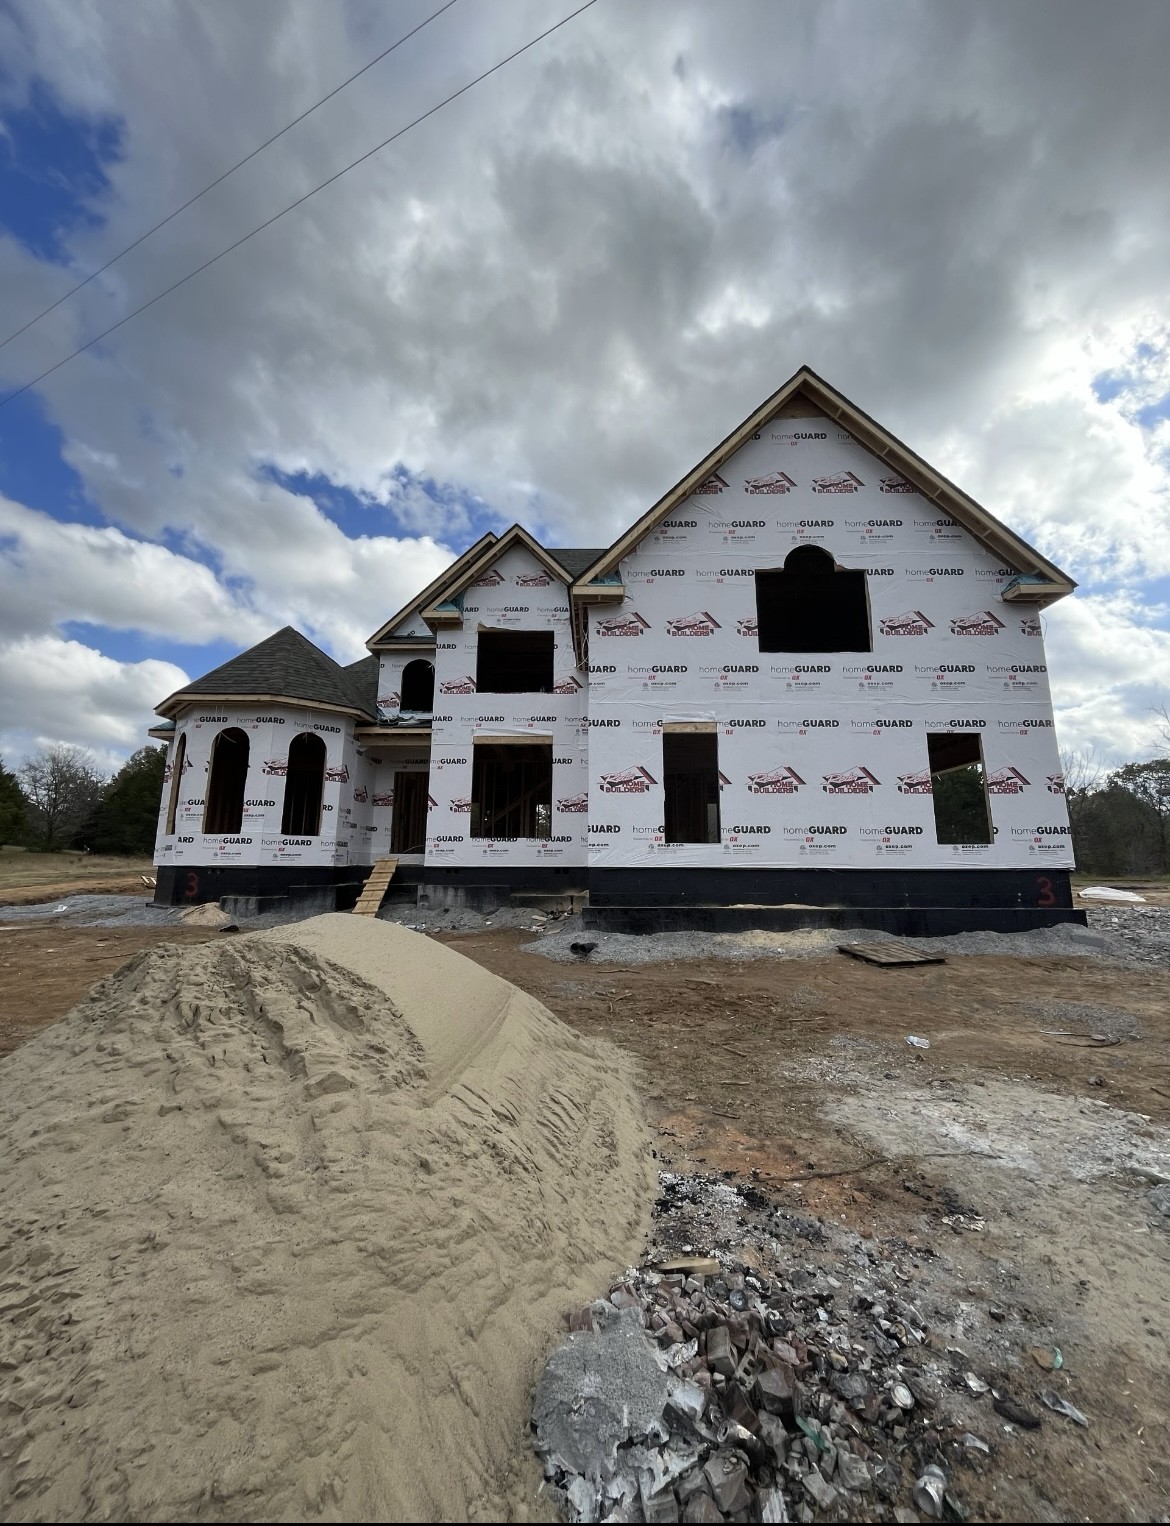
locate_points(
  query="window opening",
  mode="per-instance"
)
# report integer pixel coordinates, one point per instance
(812, 605)
(690, 777)
(514, 662)
(418, 686)
(511, 790)
(226, 782)
(959, 787)
(303, 786)
(178, 764)
(408, 825)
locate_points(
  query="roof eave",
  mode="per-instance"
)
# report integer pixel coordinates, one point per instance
(174, 705)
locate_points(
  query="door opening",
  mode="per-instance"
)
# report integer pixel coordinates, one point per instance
(408, 824)
(690, 777)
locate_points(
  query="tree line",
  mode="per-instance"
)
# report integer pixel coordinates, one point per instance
(60, 799)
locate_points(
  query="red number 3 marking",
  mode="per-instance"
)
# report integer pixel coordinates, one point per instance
(1047, 896)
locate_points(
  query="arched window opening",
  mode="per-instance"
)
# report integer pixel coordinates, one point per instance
(227, 779)
(178, 764)
(303, 785)
(812, 605)
(418, 686)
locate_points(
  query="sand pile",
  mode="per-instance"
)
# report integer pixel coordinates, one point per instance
(287, 1224)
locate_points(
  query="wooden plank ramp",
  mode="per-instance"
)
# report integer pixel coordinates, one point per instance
(375, 888)
(889, 953)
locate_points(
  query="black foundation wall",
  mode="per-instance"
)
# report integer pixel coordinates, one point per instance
(184, 885)
(921, 902)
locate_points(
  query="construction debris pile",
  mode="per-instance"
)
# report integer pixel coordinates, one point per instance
(702, 1391)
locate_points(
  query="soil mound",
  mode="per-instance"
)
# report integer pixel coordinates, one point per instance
(287, 1225)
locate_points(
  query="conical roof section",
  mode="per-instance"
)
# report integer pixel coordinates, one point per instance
(285, 665)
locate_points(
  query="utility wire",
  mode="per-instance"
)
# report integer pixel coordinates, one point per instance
(300, 201)
(142, 237)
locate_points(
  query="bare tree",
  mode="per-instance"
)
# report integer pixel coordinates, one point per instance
(1163, 714)
(1083, 771)
(62, 786)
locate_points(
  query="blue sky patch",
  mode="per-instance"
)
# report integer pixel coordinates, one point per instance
(33, 468)
(416, 506)
(195, 658)
(52, 171)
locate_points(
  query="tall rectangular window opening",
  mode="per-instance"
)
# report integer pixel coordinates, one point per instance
(958, 787)
(514, 662)
(511, 790)
(408, 824)
(812, 605)
(690, 778)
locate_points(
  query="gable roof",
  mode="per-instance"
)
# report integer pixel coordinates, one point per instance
(461, 577)
(1042, 583)
(285, 666)
(383, 635)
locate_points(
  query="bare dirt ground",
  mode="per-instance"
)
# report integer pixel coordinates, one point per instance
(1011, 1160)
(27, 878)
(1006, 1155)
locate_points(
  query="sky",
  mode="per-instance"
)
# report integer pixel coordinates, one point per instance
(550, 299)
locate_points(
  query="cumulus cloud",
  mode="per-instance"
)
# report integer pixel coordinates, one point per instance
(74, 694)
(557, 294)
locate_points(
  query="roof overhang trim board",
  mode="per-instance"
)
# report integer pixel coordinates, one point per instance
(177, 703)
(808, 387)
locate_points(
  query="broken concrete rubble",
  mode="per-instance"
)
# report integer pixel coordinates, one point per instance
(804, 1394)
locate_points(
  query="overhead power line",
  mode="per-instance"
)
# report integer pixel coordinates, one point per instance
(292, 206)
(191, 200)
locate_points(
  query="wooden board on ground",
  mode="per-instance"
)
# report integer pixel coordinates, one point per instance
(889, 953)
(375, 888)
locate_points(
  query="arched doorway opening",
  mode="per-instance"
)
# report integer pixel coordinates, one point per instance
(303, 785)
(178, 764)
(227, 780)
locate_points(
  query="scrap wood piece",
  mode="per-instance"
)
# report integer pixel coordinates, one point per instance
(694, 1266)
(889, 953)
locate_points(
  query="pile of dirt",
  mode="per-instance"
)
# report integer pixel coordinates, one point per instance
(288, 1224)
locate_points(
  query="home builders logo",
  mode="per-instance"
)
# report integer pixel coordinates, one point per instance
(385, 797)
(779, 781)
(391, 701)
(839, 482)
(533, 580)
(460, 805)
(361, 794)
(622, 625)
(913, 623)
(1007, 781)
(853, 781)
(701, 624)
(748, 626)
(982, 624)
(1056, 784)
(464, 685)
(713, 484)
(774, 482)
(896, 485)
(492, 578)
(277, 766)
(337, 775)
(630, 781)
(916, 784)
(567, 685)
(574, 805)
(1030, 625)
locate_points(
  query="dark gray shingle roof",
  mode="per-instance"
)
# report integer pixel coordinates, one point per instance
(575, 559)
(287, 665)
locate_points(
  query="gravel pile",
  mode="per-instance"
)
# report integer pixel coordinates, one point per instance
(1136, 934)
(801, 943)
(807, 1384)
